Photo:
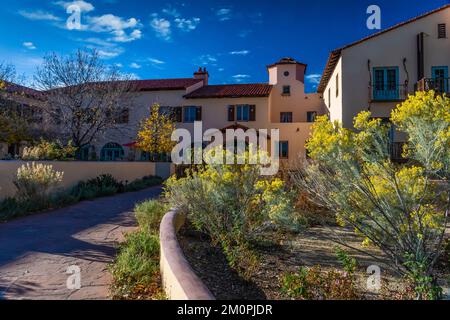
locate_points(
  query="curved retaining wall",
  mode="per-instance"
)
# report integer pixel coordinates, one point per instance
(179, 280)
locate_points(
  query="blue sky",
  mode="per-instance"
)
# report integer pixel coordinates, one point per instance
(235, 40)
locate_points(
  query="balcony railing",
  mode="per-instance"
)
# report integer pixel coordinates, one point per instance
(389, 93)
(439, 85)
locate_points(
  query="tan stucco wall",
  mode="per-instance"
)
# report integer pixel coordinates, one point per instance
(389, 50)
(140, 110)
(297, 102)
(179, 280)
(334, 103)
(77, 171)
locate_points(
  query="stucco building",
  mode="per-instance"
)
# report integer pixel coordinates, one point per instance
(281, 103)
(378, 72)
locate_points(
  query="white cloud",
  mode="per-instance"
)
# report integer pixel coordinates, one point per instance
(98, 42)
(106, 53)
(110, 22)
(135, 65)
(221, 69)
(241, 76)
(82, 5)
(122, 36)
(313, 78)
(187, 24)
(162, 27)
(39, 15)
(116, 26)
(207, 59)
(223, 14)
(156, 61)
(171, 12)
(29, 45)
(119, 65)
(240, 53)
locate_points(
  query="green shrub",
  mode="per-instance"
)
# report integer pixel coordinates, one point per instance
(34, 181)
(104, 185)
(143, 183)
(149, 214)
(137, 263)
(232, 204)
(34, 200)
(136, 268)
(46, 150)
(348, 263)
(314, 284)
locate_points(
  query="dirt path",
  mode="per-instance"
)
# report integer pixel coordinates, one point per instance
(36, 252)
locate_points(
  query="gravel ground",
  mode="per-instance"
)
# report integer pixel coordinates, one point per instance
(287, 253)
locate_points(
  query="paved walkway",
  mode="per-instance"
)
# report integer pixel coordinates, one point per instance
(36, 251)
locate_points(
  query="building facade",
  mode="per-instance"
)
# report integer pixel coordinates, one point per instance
(376, 73)
(379, 72)
(279, 104)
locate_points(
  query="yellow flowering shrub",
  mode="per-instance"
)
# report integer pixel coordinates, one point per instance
(232, 204)
(401, 208)
(425, 117)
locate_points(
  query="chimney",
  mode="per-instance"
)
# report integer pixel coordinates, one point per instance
(203, 75)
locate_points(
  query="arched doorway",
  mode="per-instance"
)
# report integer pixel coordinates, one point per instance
(112, 152)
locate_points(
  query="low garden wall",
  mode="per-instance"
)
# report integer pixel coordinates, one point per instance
(75, 171)
(178, 279)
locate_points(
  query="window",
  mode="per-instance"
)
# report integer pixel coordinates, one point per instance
(386, 83)
(284, 149)
(286, 90)
(245, 113)
(442, 31)
(441, 82)
(86, 153)
(286, 73)
(112, 152)
(118, 116)
(192, 114)
(176, 113)
(286, 117)
(123, 116)
(329, 98)
(231, 113)
(337, 85)
(311, 116)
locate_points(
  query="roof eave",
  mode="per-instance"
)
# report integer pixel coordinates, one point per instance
(228, 97)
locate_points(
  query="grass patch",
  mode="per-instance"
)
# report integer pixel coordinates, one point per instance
(135, 271)
(149, 214)
(102, 186)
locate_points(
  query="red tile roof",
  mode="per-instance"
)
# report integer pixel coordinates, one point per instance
(286, 60)
(164, 84)
(231, 91)
(336, 54)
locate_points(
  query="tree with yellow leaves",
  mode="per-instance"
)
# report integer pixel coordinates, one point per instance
(156, 131)
(400, 208)
(14, 127)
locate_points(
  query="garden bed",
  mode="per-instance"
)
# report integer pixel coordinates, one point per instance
(102, 186)
(311, 247)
